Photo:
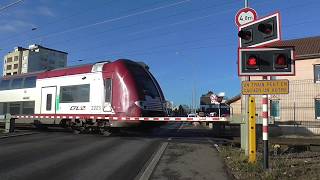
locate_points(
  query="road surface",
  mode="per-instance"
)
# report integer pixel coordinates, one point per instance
(63, 155)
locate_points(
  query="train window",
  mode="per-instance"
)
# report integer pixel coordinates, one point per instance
(76, 93)
(14, 108)
(108, 89)
(49, 102)
(4, 84)
(28, 107)
(16, 83)
(3, 108)
(29, 82)
(143, 80)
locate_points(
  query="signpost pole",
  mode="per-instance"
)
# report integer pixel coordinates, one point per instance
(245, 126)
(265, 129)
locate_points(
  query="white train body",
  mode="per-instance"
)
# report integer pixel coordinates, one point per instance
(82, 93)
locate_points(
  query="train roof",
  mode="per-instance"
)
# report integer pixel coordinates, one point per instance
(79, 69)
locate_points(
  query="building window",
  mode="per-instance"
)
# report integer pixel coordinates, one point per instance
(9, 59)
(15, 66)
(317, 108)
(76, 93)
(274, 108)
(9, 67)
(316, 71)
(14, 73)
(8, 74)
(16, 58)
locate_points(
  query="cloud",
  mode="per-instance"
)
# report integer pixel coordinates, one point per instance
(14, 26)
(43, 10)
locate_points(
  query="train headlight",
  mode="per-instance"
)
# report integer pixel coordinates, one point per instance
(139, 104)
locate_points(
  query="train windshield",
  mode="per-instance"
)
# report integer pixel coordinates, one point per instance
(143, 80)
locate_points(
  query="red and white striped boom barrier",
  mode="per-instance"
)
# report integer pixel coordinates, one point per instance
(96, 117)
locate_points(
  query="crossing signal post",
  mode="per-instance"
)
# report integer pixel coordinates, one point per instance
(256, 60)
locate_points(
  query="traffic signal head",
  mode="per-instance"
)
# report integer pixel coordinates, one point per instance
(265, 61)
(260, 32)
(246, 35)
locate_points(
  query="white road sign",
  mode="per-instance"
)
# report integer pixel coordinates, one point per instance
(245, 16)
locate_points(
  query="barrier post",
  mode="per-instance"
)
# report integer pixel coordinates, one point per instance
(9, 124)
(252, 130)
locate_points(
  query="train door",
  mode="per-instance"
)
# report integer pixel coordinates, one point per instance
(48, 100)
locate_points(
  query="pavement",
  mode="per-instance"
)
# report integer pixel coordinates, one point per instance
(175, 151)
(190, 161)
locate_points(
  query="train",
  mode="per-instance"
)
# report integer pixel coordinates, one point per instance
(84, 96)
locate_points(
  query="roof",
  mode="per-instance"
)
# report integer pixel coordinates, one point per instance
(305, 48)
(233, 99)
(35, 46)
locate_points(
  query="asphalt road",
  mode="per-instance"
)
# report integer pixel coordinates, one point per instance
(63, 155)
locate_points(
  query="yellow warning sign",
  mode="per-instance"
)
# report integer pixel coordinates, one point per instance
(265, 87)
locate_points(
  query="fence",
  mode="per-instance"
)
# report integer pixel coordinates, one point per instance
(299, 110)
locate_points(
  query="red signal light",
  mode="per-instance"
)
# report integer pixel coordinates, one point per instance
(281, 61)
(252, 62)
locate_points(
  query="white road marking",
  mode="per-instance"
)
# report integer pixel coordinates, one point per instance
(151, 166)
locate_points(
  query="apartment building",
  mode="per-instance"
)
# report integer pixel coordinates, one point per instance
(34, 58)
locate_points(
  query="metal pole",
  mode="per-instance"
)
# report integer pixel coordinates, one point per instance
(245, 126)
(294, 113)
(265, 129)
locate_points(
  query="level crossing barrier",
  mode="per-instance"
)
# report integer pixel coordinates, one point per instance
(99, 117)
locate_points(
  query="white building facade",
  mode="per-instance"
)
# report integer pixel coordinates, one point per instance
(35, 58)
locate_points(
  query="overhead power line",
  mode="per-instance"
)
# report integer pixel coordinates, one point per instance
(9, 5)
(116, 19)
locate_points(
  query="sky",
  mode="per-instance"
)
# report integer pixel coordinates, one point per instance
(189, 45)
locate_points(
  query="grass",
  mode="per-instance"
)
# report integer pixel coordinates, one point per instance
(289, 166)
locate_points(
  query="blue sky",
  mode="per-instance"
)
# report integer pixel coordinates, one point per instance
(188, 44)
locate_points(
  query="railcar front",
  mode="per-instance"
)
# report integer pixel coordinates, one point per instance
(135, 92)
